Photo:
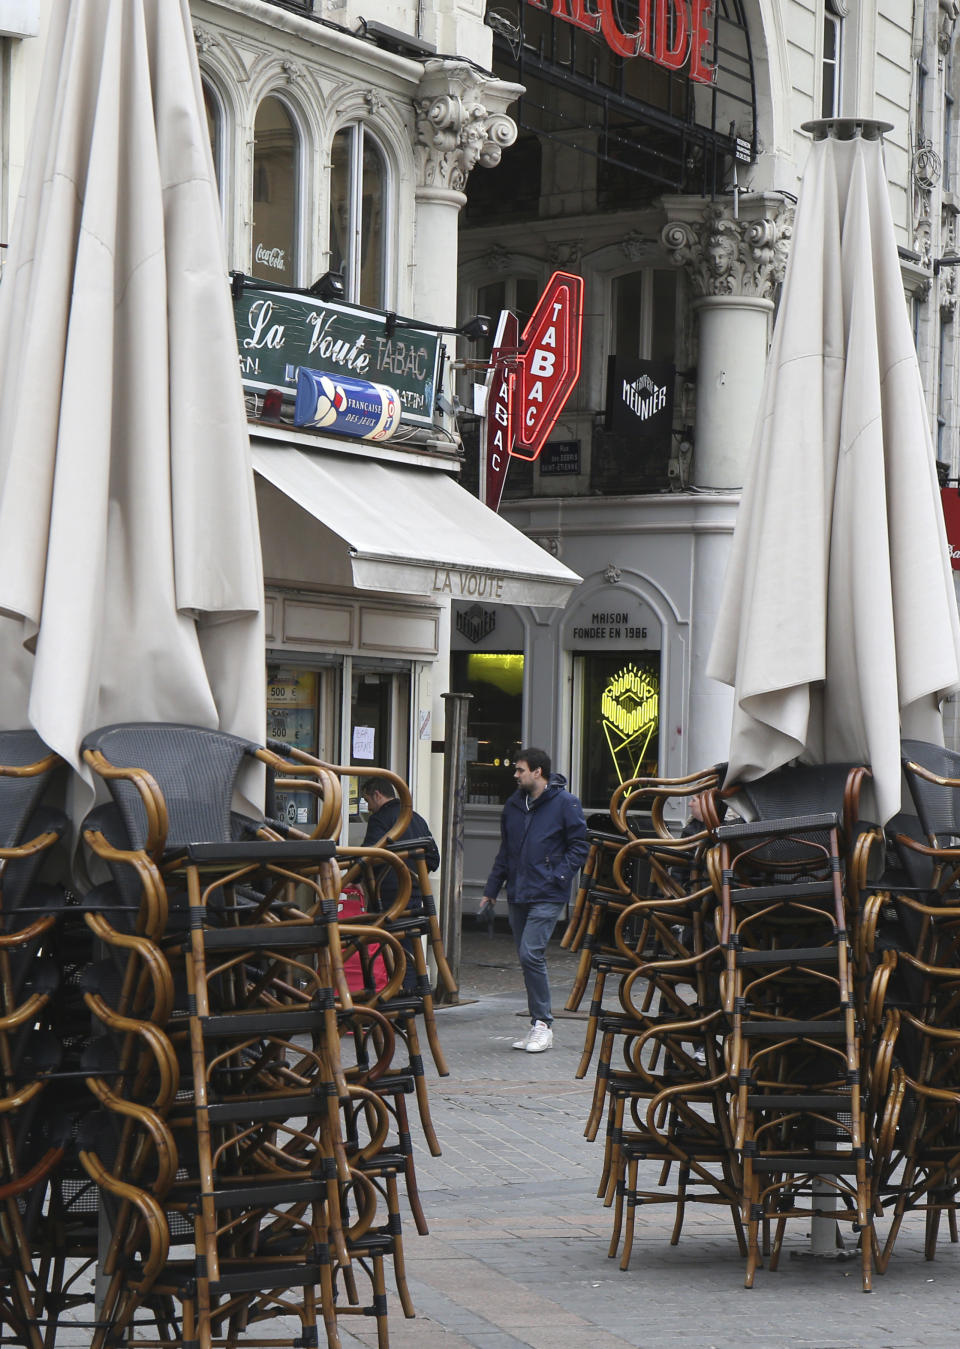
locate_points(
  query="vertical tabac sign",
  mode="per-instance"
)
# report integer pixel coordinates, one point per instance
(497, 436)
(549, 362)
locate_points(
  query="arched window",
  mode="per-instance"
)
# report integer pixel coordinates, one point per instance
(360, 231)
(276, 193)
(215, 131)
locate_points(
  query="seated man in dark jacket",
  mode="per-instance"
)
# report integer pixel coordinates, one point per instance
(543, 844)
(384, 807)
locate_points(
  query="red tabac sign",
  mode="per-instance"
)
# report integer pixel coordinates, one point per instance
(549, 361)
(501, 400)
(669, 32)
(950, 498)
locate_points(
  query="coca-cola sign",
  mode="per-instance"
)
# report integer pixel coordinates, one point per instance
(271, 257)
(950, 498)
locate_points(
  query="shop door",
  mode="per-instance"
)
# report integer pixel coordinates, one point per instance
(379, 730)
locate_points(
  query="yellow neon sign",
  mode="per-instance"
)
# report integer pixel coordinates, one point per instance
(630, 714)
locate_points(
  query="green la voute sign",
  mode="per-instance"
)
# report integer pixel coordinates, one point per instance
(278, 332)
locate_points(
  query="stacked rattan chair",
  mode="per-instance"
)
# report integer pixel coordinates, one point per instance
(793, 1047)
(740, 1066)
(31, 1057)
(229, 1138)
(911, 940)
(643, 924)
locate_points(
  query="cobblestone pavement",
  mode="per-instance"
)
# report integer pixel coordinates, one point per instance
(516, 1255)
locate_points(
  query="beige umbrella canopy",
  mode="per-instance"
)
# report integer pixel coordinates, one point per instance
(838, 624)
(130, 572)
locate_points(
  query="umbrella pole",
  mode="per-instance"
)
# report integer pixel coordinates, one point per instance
(823, 1226)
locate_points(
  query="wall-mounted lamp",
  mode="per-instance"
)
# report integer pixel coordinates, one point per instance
(476, 328)
(330, 286)
(948, 260)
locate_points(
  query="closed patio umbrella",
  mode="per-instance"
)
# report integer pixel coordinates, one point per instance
(838, 623)
(130, 573)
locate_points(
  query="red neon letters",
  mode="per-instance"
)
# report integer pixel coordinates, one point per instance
(501, 400)
(549, 362)
(669, 32)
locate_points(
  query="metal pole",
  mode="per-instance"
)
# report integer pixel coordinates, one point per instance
(451, 837)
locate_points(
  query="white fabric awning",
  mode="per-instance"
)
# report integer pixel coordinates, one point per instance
(414, 531)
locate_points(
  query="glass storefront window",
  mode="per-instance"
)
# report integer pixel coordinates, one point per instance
(293, 719)
(276, 161)
(619, 721)
(494, 724)
(304, 711)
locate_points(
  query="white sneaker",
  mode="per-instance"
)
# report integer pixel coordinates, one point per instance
(522, 1044)
(539, 1039)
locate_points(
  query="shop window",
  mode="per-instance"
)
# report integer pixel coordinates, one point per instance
(359, 226)
(303, 711)
(618, 719)
(294, 714)
(494, 720)
(215, 130)
(276, 193)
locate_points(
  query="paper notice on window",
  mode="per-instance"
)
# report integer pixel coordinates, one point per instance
(362, 743)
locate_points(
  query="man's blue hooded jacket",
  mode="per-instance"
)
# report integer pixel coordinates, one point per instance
(543, 843)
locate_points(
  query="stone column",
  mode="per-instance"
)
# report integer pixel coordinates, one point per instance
(460, 123)
(734, 264)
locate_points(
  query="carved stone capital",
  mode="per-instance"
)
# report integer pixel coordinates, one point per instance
(461, 122)
(726, 256)
(949, 10)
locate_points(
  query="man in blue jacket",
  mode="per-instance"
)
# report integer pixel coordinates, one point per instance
(543, 843)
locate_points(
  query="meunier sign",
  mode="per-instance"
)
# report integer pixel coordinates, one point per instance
(669, 32)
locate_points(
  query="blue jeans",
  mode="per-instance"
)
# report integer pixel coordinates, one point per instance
(532, 925)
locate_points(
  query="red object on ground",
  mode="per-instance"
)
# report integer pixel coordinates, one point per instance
(353, 902)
